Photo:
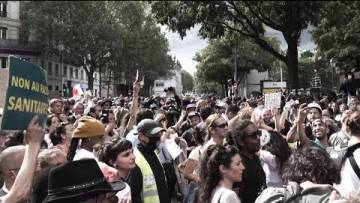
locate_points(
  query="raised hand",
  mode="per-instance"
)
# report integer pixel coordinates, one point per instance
(34, 132)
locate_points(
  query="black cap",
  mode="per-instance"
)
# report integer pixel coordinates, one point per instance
(149, 127)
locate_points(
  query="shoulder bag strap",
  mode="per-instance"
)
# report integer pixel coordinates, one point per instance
(220, 197)
(354, 166)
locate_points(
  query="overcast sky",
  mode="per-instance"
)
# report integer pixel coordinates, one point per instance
(184, 50)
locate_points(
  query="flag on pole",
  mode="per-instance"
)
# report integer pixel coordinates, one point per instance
(77, 91)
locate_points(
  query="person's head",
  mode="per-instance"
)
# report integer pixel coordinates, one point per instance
(106, 105)
(232, 111)
(219, 163)
(56, 106)
(98, 109)
(190, 108)
(10, 162)
(266, 115)
(199, 133)
(52, 122)
(220, 107)
(311, 164)
(149, 133)
(354, 123)
(335, 107)
(327, 113)
(62, 134)
(119, 154)
(194, 118)
(144, 114)
(90, 131)
(314, 111)
(81, 182)
(319, 129)
(48, 158)
(246, 136)
(343, 107)
(78, 108)
(205, 113)
(274, 143)
(216, 126)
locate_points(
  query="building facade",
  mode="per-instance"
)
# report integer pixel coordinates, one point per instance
(61, 76)
(164, 82)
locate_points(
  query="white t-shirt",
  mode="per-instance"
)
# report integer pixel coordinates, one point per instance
(195, 154)
(224, 195)
(349, 186)
(271, 168)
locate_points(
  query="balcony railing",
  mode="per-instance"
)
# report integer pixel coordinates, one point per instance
(15, 45)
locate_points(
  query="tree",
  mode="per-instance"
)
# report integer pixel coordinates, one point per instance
(246, 18)
(217, 61)
(187, 81)
(86, 38)
(101, 35)
(337, 34)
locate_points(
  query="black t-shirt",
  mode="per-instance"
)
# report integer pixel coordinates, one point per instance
(286, 129)
(135, 179)
(253, 180)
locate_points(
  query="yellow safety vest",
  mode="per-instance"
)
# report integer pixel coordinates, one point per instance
(149, 190)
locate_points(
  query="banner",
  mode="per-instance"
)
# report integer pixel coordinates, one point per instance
(26, 95)
(273, 100)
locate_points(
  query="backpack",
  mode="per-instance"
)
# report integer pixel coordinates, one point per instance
(293, 193)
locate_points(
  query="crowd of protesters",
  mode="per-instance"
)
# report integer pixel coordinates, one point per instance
(231, 150)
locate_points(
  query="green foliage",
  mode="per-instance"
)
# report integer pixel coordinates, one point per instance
(187, 81)
(246, 18)
(337, 34)
(100, 35)
(216, 62)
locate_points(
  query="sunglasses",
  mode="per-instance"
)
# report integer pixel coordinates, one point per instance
(221, 125)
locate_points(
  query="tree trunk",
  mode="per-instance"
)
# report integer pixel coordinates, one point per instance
(90, 78)
(292, 64)
(100, 82)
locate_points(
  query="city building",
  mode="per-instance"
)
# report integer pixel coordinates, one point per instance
(61, 76)
(164, 82)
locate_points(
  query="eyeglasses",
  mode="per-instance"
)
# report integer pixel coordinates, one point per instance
(221, 125)
(255, 134)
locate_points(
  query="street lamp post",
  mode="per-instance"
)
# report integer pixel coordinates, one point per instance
(61, 49)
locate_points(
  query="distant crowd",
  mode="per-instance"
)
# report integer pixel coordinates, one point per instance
(186, 149)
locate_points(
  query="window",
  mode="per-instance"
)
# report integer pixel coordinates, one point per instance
(50, 87)
(81, 75)
(3, 62)
(56, 69)
(49, 68)
(3, 32)
(42, 64)
(3, 9)
(65, 71)
(159, 84)
(76, 73)
(71, 72)
(26, 59)
(57, 87)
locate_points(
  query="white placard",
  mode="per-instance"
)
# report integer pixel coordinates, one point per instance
(173, 148)
(273, 100)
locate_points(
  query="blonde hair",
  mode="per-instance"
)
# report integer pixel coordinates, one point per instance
(210, 123)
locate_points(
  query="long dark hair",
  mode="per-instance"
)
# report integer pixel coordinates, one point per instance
(111, 150)
(210, 175)
(278, 146)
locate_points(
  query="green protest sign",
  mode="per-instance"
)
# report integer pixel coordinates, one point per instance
(26, 96)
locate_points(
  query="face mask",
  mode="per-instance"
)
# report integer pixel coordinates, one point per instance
(153, 143)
